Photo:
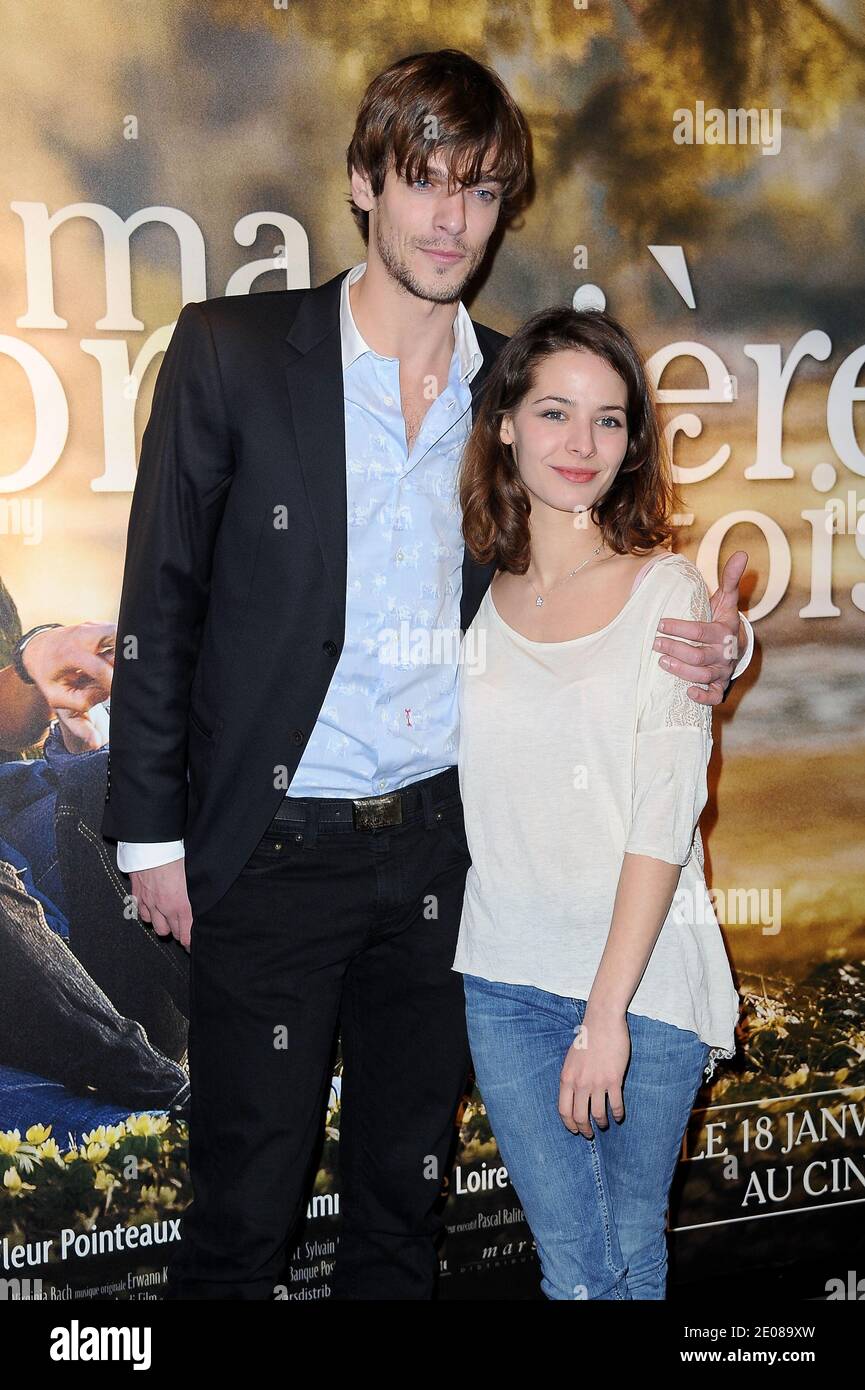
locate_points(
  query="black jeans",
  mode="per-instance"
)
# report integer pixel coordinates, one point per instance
(328, 925)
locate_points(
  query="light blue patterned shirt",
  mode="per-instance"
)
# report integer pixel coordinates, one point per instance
(390, 715)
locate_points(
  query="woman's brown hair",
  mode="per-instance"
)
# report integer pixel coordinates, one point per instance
(440, 101)
(633, 515)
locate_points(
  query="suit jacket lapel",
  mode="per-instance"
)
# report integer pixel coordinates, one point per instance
(314, 371)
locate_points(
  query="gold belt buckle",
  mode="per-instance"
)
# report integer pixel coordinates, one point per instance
(371, 812)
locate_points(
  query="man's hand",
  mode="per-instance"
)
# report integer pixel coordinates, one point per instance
(722, 640)
(163, 900)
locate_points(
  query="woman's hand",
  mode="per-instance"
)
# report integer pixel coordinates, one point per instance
(594, 1068)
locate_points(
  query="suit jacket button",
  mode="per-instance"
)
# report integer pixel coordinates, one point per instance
(330, 648)
(297, 736)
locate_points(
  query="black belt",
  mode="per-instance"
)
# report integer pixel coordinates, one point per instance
(369, 812)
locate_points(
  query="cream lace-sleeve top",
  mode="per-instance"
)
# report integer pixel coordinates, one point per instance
(572, 754)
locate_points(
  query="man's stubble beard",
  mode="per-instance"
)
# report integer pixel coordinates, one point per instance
(400, 272)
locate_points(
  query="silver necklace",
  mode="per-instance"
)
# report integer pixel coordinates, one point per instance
(539, 601)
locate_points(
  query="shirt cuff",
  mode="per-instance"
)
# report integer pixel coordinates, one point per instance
(749, 649)
(147, 856)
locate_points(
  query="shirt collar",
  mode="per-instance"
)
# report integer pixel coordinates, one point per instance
(353, 345)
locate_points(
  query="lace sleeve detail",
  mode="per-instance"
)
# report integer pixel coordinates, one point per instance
(682, 710)
(716, 1055)
(697, 850)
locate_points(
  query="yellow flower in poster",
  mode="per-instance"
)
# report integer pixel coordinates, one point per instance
(146, 1125)
(15, 1184)
(95, 1153)
(96, 1136)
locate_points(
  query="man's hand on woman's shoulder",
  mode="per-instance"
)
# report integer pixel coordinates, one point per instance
(723, 639)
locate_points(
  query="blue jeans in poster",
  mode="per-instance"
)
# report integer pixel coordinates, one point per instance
(597, 1208)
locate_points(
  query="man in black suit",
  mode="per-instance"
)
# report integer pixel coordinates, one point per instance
(276, 780)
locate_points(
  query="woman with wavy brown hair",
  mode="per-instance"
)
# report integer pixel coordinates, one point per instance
(594, 969)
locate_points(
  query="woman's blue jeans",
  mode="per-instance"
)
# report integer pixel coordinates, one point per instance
(597, 1208)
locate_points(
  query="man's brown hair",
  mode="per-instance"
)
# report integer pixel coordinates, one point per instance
(634, 515)
(448, 101)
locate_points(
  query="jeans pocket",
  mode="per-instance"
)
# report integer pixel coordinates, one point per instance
(199, 725)
(274, 847)
(453, 824)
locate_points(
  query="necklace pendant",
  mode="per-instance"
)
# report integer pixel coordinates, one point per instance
(539, 603)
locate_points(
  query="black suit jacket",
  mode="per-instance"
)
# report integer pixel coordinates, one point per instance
(232, 610)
